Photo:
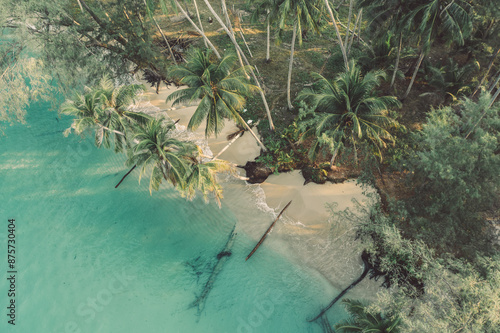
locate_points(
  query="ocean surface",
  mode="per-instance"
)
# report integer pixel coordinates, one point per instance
(92, 258)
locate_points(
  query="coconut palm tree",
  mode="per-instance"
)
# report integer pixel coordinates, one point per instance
(116, 116)
(105, 110)
(170, 159)
(244, 58)
(221, 88)
(266, 8)
(304, 15)
(450, 18)
(347, 111)
(203, 178)
(363, 321)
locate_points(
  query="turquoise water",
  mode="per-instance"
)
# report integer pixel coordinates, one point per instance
(92, 258)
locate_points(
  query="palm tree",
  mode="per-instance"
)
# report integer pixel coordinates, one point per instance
(116, 116)
(242, 54)
(346, 111)
(169, 158)
(105, 109)
(363, 321)
(265, 7)
(388, 15)
(203, 178)
(448, 17)
(305, 15)
(221, 88)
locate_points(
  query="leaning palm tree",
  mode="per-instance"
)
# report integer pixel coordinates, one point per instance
(87, 112)
(363, 321)
(170, 159)
(346, 111)
(116, 116)
(203, 178)
(105, 109)
(221, 88)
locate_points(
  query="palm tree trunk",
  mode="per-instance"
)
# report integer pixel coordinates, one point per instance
(268, 56)
(342, 48)
(230, 27)
(123, 178)
(487, 72)
(358, 20)
(246, 44)
(417, 67)
(485, 111)
(261, 91)
(494, 84)
(162, 34)
(199, 21)
(366, 268)
(290, 66)
(253, 133)
(205, 38)
(228, 145)
(348, 24)
(397, 60)
(332, 161)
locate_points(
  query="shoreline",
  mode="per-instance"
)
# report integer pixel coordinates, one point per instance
(305, 233)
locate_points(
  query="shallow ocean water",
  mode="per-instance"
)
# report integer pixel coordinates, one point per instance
(92, 258)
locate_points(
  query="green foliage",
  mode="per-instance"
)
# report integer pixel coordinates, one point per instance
(105, 109)
(363, 321)
(459, 297)
(22, 77)
(346, 111)
(451, 78)
(283, 153)
(455, 178)
(221, 88)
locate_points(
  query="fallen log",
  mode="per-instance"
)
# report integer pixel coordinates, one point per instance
(123, 178)
(221, 259)
(268, 231)
(367, 267)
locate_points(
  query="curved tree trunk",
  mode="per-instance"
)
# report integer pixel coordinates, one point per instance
(238, 48)
(367, 267)
(397, 60)
(342, 48)
(199, 21)
(290, 66)
(197, 29)
(417, 67)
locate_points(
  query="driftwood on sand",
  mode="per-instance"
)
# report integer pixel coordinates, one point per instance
(268, 231)
(221, 259)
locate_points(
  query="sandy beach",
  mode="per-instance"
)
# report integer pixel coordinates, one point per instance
(306, 231)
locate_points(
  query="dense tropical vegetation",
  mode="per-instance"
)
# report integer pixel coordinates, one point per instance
(414, 81)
